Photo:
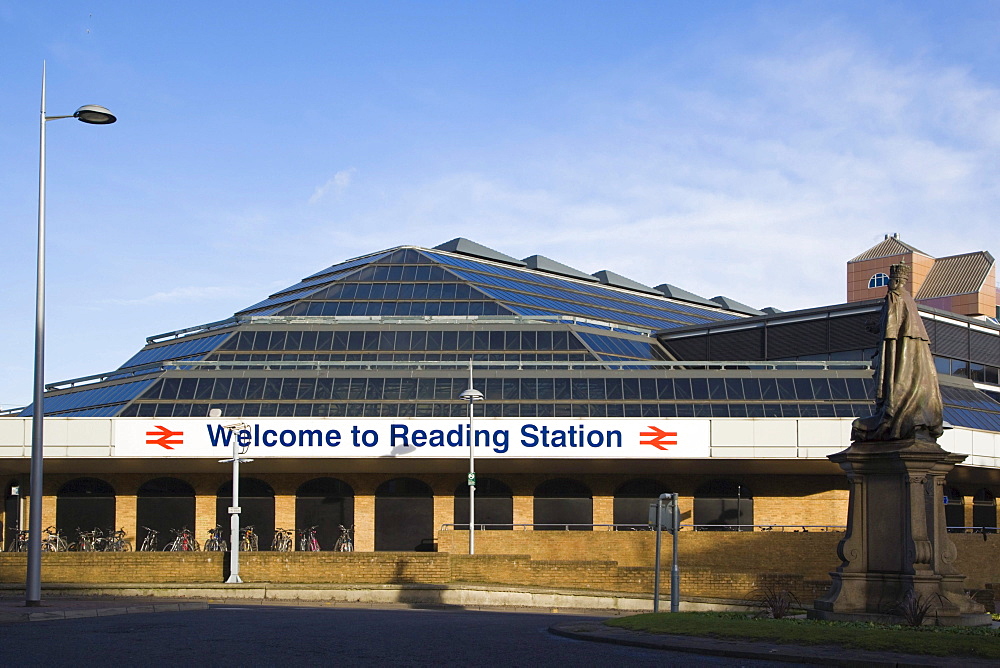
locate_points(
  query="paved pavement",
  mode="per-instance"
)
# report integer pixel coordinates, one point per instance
(14, 609)
(581, 627)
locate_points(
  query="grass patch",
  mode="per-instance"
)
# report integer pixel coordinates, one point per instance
(980, 642)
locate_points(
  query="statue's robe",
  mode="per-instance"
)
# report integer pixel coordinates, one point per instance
(908, 399)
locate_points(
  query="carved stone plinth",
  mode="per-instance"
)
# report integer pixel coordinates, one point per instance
(897, 545)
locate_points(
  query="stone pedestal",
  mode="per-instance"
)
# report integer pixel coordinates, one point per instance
(897, 544)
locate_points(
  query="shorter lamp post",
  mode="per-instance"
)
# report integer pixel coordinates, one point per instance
(234, 510)
(472, 395)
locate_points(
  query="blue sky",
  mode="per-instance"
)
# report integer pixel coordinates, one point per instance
(739, 148)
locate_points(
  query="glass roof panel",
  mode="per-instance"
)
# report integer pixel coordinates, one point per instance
(91, 398)
(178, 350)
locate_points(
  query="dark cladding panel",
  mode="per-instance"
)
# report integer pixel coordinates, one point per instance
(950, 341)
(744, 344)
(694, 348)
(854, 331)
(984, 348)
(800, 338)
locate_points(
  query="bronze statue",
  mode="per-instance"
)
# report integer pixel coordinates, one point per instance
(907, 399)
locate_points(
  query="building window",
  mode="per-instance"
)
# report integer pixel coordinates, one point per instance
(984, 511)
(723, 505)
(404, 516)
(563, 504)
(164, 504)
(85, 504)
(878, 281)
(327, 504)
(494, 505)
(632, 501)
(954, 510)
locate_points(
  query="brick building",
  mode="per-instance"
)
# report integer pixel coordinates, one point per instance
(965, 284)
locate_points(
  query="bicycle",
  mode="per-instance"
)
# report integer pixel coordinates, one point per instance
(215, 542)
(184, 541)
(19, 543)
(307, 540)
(345, 542)
(248, 539)
(282, 541)
(54, 542)
(150, 543)
(115, 541)
(86, 541)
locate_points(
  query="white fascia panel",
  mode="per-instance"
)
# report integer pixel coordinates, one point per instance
(819, 452)
(55, 432)
(961, 442)
(88, 451)
(824, 432)
(771, 432)
(983, 444)
(15, 431)
(776, 452)
(732, 452)
(90, 431)
(729, 433)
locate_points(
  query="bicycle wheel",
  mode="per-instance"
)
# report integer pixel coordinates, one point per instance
(126, 546)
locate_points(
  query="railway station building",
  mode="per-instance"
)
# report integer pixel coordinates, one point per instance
(601, 393)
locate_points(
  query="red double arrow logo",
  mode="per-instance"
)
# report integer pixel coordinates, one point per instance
(166, 437)
(657, 437)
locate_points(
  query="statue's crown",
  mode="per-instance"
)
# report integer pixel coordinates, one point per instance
(899, 271)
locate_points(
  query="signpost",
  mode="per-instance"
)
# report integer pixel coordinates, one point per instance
(668, 518)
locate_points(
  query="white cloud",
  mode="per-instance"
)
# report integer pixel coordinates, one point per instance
(337, 184)
(182, 295)
(761, 194)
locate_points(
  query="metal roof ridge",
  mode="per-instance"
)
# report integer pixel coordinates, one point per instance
(464, 246)
(546, 264)
(617, 280)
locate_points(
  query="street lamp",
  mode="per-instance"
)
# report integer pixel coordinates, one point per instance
(234, 510)
(472, 395)
(94, 115)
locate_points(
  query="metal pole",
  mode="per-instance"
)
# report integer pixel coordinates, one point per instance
(234, 520)
(472, 470)
(675, 574)
(33, 578)
(656, 571)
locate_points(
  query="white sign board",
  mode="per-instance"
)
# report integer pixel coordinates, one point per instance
(438, 438)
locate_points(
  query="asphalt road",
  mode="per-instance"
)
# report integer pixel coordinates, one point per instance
(235, 635)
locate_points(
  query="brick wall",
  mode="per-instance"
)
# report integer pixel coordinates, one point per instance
(813, 554)
(727, 565)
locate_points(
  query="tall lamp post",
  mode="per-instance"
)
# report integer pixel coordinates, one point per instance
(94, 115)
(472, 395)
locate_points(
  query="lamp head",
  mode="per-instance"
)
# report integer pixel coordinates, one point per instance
(471, 395)
(95, 115)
